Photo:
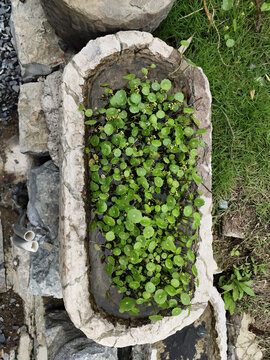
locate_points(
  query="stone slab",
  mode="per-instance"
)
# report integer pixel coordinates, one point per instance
(3, 287)
(32, 125)
(64, 341)
(42, 212)
(35, 40)
(74, 263)
(52, 106)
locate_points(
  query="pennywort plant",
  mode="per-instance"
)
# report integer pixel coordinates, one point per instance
(142, 157)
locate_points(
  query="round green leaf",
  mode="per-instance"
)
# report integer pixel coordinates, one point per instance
(114, 211)
(230, 43)
(101, 206)
(188, 131)
(158, 181)
(160, 296)
(109, 220)
(176, 311)
(185, 299)
(88, 113)
(198, 202)
(110, 236)
(108, 128)
(135, 98)
(148, 232)
(134, 215)
(141, 171)
(175, 283)
(150, 287)
(155, 86)
(166, 84)
(106, 149)
(188, 210)
(127, 304)
(179, 96)
(94, 140)
(178, 260)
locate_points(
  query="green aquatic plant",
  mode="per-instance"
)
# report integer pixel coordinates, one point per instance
(142, 159)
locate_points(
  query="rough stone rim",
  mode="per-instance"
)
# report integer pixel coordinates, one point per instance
(73, 229)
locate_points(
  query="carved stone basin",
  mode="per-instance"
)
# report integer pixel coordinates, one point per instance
(78, 21)
(83, 279)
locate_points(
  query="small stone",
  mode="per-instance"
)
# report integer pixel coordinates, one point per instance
(1, 319)
(12, 301)
(24, 328)
(15, 327)
(63, 46)
(201, 331)
(223, 204)
(16, 262)
(2, 338)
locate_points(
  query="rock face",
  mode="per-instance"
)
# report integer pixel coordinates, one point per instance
(2, 262)
(64, 341)
(73, 234)
(196, 341)
(79, 21)
(52, 107)
(32, 124)
(42, 212)
(35, 40)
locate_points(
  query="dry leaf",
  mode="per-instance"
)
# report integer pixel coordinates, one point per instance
(252, 93)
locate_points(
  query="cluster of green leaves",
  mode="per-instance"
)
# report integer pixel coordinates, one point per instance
(235, 285)
(142, 151)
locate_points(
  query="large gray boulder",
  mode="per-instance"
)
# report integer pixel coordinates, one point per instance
(64, 341)
(79, 21)
(42, 212)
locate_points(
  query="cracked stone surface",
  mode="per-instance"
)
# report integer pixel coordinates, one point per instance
(35, 40)
(32, 124)
(79, 21)
(52, 107)
(64, 341)
(3, 287)
(74, 257)
(42, 212)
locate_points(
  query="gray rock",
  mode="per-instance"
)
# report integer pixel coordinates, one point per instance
(64, 341)
(44, 277)
(42, 212)
(35, 40)
(2, 262)
(141, 352)
(79, 21)
(232, 226)
(52, 107)
(32, 124)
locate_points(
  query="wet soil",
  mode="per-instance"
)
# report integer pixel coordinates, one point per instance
(11, 321)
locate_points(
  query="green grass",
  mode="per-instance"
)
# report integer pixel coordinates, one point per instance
(243, 178)
(230, 85)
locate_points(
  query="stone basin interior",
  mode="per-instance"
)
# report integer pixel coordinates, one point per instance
(112, 74)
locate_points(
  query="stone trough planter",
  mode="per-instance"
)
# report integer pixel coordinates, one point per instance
(79, 21)
(100, 60)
